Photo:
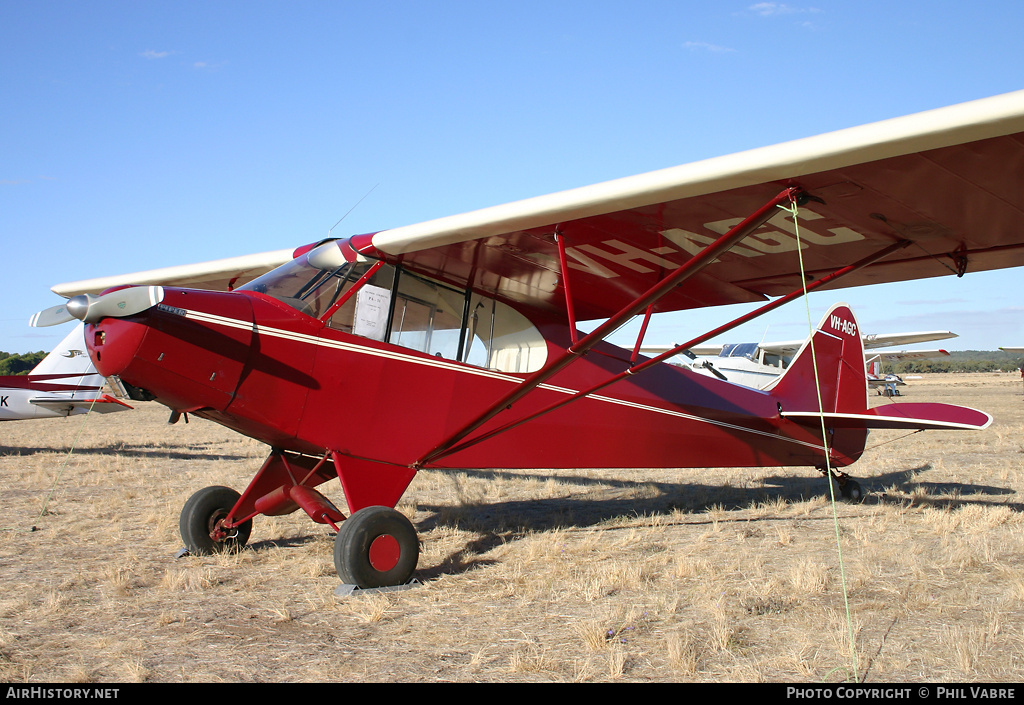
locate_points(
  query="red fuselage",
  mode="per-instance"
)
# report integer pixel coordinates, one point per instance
(267, 370)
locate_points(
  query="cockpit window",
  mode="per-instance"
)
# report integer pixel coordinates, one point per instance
(405, 309)
(747, 350)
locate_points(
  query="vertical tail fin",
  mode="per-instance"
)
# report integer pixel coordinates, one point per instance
(69, 357)
(840, 386)
(841, 380)
(68, 365)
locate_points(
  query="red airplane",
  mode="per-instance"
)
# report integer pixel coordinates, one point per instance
(453, 343)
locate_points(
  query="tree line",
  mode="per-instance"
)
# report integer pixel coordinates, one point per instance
(19, 363)
(961, 361)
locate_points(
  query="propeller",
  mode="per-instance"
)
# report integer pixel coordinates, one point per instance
(711, 368)
(55, 315)
(90, 308)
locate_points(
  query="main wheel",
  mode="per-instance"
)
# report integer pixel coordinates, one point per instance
(201, 520)
(376, 547)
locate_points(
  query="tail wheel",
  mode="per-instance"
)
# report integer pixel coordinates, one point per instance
(851, 491)
(202, 522)
(376, 547)
(848, 489)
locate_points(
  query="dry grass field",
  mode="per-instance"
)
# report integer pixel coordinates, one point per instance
(634, 575)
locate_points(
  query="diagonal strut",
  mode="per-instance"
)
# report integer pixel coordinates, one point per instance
(684, 346)
(691, 267)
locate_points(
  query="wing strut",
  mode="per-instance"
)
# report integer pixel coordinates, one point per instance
(640, 336)
(632, 370)
(689, 268)
(564, 265)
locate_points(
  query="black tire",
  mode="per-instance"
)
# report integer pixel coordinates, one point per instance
(848, 491)
(396, 548)
(852, 491)
(199, 518)
(183, 527)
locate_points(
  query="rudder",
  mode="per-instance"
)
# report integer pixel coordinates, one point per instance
(839, 352)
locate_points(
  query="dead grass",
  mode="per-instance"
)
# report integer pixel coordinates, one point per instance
(575, 575)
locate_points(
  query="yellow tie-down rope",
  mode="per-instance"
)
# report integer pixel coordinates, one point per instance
(793, 210)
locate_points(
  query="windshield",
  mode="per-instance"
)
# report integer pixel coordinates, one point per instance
(400, 307)
(747, 350)
(311, 282)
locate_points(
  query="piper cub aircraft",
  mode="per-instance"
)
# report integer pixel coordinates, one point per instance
(759, 364)
(64, 383)
(453, 343)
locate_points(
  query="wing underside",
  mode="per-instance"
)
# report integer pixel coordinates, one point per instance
(946, 182)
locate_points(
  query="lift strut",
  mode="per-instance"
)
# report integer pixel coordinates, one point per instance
(688, 344)
(578, 348)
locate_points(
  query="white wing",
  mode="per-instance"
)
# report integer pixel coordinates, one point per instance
(887, 340)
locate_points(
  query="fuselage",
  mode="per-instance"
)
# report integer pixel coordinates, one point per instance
(270, 371)
(48, 396)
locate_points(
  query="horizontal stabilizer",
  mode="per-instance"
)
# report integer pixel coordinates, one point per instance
(918, 416)
(101, 405)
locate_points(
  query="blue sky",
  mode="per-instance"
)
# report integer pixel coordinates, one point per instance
(145, 134)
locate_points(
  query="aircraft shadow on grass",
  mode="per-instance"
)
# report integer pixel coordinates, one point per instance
(506, 521)
(544, 514)
(501, 522)
(188, 452)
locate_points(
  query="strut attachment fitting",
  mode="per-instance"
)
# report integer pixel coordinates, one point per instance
(959, 258)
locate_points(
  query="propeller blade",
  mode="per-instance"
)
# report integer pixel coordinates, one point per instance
(89, 308)
(116, 304)
(55, 315)
(711, 368)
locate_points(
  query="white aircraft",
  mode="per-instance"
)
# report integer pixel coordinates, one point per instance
(888, 384)
(758, 365)
(64, 383)
(1016, 350)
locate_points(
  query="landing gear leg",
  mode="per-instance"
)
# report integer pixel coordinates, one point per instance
(376, 547)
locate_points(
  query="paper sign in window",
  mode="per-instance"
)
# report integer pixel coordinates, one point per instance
(372, 304)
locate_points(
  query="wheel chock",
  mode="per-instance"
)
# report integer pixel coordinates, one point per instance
(347, 590)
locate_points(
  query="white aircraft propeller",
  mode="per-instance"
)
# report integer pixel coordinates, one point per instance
(55, 315)
(89, 308)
